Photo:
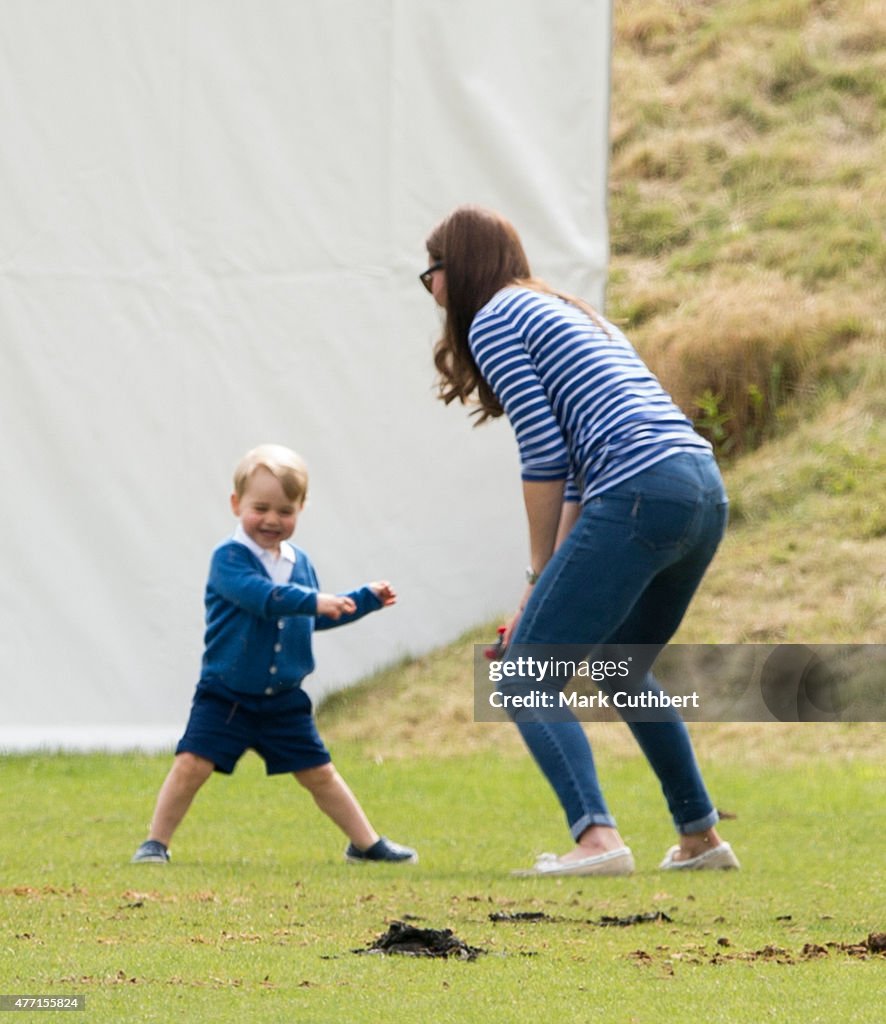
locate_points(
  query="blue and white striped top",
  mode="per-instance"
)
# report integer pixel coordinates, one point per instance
(583, 405)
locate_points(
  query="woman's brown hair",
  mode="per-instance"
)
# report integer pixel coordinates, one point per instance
(481, 253)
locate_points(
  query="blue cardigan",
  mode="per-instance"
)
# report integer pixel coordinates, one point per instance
(258, 633)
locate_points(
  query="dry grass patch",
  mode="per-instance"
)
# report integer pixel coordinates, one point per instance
(735, 352)
(654, 27)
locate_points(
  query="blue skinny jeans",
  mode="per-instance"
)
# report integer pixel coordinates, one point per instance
(625, 575)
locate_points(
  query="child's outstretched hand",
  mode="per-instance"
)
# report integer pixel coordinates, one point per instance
(384, 592)
(333, 606)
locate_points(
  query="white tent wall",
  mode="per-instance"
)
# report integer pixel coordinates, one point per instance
(212, 215)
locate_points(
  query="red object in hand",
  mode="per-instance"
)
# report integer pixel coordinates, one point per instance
(499, 649)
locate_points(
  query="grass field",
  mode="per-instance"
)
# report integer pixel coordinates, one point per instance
(258, 917)
(747, 202)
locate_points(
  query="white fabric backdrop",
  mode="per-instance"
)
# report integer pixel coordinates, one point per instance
(212, 215)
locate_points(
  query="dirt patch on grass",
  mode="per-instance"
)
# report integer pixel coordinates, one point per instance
(606, 921)
(403, 939)
(35, 892)
(874, 946)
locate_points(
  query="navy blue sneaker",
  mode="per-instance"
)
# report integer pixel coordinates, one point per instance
(151, 852)
(383, 850)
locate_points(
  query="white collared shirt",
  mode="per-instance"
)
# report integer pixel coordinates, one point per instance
(279, 567)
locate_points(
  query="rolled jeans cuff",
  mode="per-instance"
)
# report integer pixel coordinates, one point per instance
(586, 820)
(699, 825)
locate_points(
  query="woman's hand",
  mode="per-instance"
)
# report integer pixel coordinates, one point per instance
(511, 625)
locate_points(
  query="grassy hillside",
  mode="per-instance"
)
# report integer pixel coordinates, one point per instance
(748, 206)
(747, 202)
(747, 212)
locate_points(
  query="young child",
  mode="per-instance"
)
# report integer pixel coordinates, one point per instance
(263, 603)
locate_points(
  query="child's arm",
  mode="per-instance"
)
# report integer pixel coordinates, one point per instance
(235, 576)
(364, 600)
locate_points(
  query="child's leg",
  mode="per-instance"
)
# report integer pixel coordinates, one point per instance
(333, 796)
(187, 775)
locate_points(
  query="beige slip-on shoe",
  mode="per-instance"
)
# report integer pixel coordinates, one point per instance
(718, 857)
(613, 862)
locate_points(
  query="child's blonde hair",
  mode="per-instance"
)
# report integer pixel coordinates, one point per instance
(285, 464)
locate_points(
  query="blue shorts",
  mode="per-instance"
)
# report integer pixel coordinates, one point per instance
(280, 729)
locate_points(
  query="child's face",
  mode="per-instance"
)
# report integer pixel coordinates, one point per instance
(265, 513)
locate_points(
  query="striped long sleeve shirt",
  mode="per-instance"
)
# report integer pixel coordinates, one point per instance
(583, 405)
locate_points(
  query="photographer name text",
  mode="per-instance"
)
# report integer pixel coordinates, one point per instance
(547, 700)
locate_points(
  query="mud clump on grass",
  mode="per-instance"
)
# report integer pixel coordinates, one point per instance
(406, 940)
(631, 919)
(873, 945)
(520, 915)
(606, 921)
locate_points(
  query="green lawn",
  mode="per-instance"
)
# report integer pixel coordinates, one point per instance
(258, 916)
(746, 185)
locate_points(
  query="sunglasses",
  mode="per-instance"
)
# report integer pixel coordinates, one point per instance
(427, 276)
